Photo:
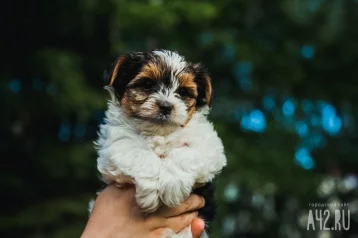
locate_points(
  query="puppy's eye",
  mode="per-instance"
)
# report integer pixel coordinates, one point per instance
(184, 92)
(147, 84)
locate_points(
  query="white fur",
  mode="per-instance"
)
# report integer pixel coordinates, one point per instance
(91, 206)
(174, 61)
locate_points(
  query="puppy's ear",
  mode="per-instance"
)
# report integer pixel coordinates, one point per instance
(123, 70)
(203, 81)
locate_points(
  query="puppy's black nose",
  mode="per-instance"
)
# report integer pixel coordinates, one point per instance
(165, 108)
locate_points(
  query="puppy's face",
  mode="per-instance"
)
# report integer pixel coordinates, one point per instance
(160, 87)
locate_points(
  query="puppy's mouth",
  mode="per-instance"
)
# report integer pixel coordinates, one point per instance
(159, 120)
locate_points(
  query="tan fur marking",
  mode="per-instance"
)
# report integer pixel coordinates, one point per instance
(115, 70)
(129, 106)
(132, 101)
(186, 80)
(190, 115)
(126, 105)
(134, 98)
(152, 71)
(148, 71)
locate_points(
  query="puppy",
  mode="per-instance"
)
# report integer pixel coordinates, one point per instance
(156, 133)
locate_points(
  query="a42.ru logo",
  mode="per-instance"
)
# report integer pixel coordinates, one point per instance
(328, 220)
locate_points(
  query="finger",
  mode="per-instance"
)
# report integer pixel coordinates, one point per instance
(192, 203)
(178, 223)
(197, 227)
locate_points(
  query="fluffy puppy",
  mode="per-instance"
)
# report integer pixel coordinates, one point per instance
(156, 133)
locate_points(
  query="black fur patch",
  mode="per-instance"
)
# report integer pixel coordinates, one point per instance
(200, 78)
(128, 69)
(208, 212)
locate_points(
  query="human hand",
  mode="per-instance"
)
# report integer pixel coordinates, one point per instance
(116, 214)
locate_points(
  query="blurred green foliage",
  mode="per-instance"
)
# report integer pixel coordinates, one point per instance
(53, 100)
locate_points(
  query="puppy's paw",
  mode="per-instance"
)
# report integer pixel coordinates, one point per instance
(174, 190)
(147, 196)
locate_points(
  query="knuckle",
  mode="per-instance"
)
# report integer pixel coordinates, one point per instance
(196, 202)
(187, 218)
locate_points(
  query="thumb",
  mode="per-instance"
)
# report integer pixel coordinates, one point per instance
(197, 227)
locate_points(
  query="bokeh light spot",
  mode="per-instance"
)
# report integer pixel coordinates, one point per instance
(255, 121)
(327, 187)
(65, 131)
(307, 51)
(231, 193)
(302, 129)
(350, 182)
(229, 225)
(288, 108)
(304, 159)
(206, 38)
(331, 123)
(15, 85)
(242, 73)
(257, 200)
(269, 103)
(326, 108)
(313, 6)
(228, 52)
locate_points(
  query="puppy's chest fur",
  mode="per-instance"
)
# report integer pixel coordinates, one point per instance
(162, 146)
(165, 168)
